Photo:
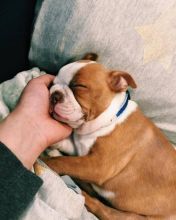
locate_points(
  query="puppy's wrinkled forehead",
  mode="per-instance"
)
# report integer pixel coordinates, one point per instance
(93, 74)
(67, 72)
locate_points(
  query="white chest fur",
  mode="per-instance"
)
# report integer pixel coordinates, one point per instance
(84, 142)
(104, 193)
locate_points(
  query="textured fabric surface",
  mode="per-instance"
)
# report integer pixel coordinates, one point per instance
(135, 36)
(54, 200)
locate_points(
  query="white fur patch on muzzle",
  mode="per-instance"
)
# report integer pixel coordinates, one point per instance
(69, 110)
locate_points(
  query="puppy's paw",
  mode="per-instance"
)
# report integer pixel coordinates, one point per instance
(53, 153)
(66, 146)
(90, 202)
(38, 169)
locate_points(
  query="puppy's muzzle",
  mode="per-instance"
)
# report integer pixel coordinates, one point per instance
(64, 107)
(56, 97)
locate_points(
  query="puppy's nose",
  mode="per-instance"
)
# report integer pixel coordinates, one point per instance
(57, 97)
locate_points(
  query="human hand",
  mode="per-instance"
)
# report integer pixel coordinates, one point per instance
(29, 129)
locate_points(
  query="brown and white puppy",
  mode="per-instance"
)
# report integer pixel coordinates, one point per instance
(124, 156)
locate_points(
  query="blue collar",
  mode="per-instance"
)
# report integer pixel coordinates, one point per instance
(124, 104)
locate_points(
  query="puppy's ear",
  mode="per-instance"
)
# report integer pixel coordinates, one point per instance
(119, 81)
(90, 56)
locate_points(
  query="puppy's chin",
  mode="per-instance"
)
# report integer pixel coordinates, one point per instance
(73, 124)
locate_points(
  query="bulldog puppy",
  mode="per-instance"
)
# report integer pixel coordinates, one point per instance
(122, 154)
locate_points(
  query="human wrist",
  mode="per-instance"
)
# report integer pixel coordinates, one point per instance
(18, 133)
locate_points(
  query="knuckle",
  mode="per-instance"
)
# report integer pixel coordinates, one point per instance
(32, 81)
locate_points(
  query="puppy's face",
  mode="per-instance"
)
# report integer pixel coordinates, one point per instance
(87, 94)
(91, 90)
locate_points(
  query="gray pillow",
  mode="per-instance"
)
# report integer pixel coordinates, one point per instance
(135, 36)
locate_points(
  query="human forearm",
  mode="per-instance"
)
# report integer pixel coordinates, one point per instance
(19, 134)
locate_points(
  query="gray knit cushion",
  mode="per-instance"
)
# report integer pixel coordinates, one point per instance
(135, 36)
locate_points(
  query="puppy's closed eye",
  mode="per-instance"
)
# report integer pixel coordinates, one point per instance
(75, 85)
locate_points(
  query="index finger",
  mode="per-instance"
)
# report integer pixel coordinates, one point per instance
(46, 79)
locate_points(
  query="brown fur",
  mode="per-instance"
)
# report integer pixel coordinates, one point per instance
(135, 161)
(115, 80)
(90, 56)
